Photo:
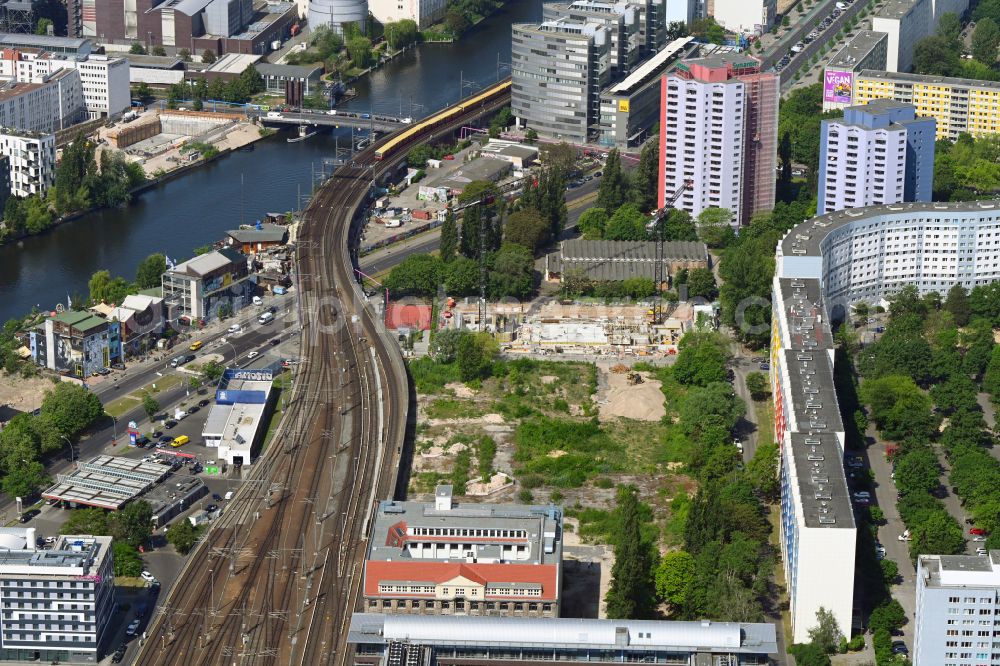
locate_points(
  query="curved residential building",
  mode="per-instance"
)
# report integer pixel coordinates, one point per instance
(337, 13)
(823, 266)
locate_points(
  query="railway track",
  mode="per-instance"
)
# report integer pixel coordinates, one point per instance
(275, 581)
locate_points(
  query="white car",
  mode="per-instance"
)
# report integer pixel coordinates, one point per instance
(235, 328)
(979, 538)
(51, 539)
(180, 415)
(253, 354)
(982, 551)
(148, 577)
(209, 462)
(133, 627)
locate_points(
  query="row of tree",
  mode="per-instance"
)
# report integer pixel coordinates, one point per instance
(237, 91)
(340, 53)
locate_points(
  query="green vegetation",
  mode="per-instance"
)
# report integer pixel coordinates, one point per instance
(183, 535)
(966, 169)
(238, 90)
(630, 591)
(206, 150)
(131, 527)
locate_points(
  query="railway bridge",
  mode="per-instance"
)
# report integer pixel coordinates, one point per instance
(276, 579)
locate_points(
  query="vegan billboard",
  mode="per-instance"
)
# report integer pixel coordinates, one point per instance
(838, 87)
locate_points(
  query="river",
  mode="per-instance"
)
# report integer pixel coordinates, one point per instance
(197, 208)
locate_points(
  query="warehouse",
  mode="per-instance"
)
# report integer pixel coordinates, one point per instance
(106, 482)
(614, 261)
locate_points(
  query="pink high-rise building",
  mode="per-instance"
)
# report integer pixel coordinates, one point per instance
(719, 132)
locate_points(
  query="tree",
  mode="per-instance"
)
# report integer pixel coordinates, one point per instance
(24, 477)
(611, 194)
(208, 56)
(399, 34)
(133, 524)
(43, 25)
(512, 274)
(137, 49)
(445, 345)
(642, 185)
(475, 356)
(939, 533)
(701, 284)
(890, 571)
(592, 223)
(472, 219)
(87, 521)
(991, 378)
(359, 49)
(826, 634)
(985, 41)
(418, 274)
(530, 136)
(560, 155)
(71, 408)
(809, 654)
(901, 410)
(150, 405)
(950, 27)
(715, 226)
(213, 371)
(183, 536)
(462, 277)
(762, 471)
(127, 560)
(627, 224)
(184, 55)
(758, 385)
(527, 228)
(500, 122)
(935, 55)
(628, 594)
(957, 303)
(150, 271)
(701, 359)
(673, 578)
(456, 23)
(158, 51)
(105, 289)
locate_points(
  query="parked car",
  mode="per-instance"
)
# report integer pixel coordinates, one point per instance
(119, 654)
(217, 497)
(133, 628)
(212, 507)
(193, 409)
(275, 341)
(979, 538)
(148, 577)
(170, 424)
(204, 403)
(899, 647)
(235, 328)
(978, 531)
(29, 514)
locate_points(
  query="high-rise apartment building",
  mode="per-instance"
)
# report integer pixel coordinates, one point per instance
(878, 153)
(958, 601)
(46, 104)
(104, 81)
(719, 134)
(558, 69)
(56, 603)
(620, 18)
(958, 105)
(32, 161)
(867, 50)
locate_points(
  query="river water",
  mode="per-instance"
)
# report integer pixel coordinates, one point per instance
(197, 208)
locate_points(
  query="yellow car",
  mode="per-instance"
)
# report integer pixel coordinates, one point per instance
(180, 441)
(195, 346)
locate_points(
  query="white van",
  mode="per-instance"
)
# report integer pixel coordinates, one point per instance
(265, 318)
(257, 300)
(228, 496)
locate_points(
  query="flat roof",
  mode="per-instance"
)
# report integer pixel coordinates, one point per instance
(268, 233)
(80, 319)
(290, 71)
(857, 49)
(234, 63)
(204, 264)
(564, 633)
(108, 482)
(42, 41)
(178, 487)
(153, 62)
(71, 555)
(805, 240)
(897, 9)
(652, 66)
(928, 79)
(620, 260)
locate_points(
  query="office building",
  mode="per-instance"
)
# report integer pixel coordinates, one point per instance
(906, 22)
(142, 321)
(558, 69)
(867, 50)
(958, 105)
(104, 81)
(631, 107)
(752, 17)
(39, 624)
(46, 104)
(237, 423)
(719, 120)
(621, 20)
(31, 161)
(422, 12)
(76, 343)
(385, 640)
(878, 153)
(207, 286)
(958, 600)
(450, 558)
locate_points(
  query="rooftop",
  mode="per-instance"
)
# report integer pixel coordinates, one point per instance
(267, 233)
(72, 555)
(857, 49)
(961, 571)
(928, 79)
(620, 260)
(107, 482)
(15, 89)
(154, 62)
(177, 488)
(234, 63)
(266, 13)
(806, 239)
(896, 9)
(564, 633)
(81, 320)
(204, 264)
(47, 42)
(652, 66)
(290, 71)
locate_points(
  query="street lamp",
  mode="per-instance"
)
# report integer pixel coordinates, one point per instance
(72, 451)
(211, 603)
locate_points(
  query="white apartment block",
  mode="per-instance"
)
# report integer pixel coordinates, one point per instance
(55, 603)
(746, 16)
(957, 614)
(702, 140)
(423, 12)
(32, 159)
(104, 80)
(45, 104)
(844, 182)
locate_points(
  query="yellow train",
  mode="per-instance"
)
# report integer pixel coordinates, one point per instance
(442, 118)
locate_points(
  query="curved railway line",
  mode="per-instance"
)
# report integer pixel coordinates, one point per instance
(275, 581)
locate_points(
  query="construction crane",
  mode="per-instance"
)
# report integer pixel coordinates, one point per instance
(659, 218)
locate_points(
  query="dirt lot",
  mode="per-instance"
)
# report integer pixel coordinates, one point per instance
(24, 395)
(618, 398)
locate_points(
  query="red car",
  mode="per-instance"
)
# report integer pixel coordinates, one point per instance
(978, 531)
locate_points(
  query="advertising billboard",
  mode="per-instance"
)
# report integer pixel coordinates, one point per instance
(838, 87)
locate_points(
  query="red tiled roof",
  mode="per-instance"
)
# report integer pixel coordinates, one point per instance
(545, 575)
